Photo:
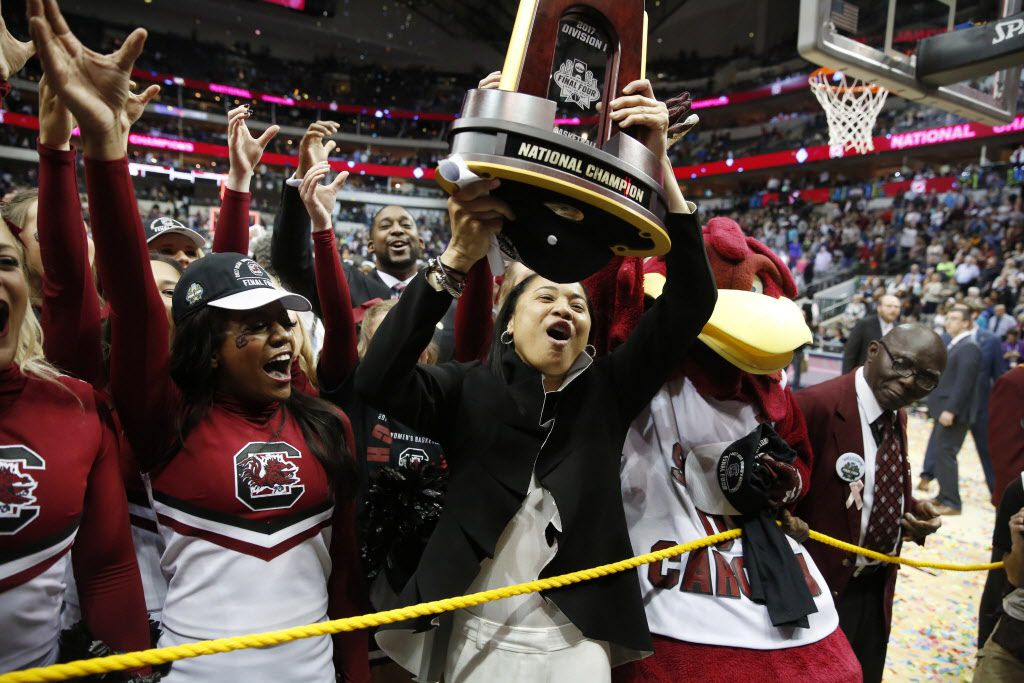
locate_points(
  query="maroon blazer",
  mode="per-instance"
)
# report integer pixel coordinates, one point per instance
(833, 424)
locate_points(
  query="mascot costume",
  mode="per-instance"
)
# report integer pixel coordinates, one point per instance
(721, 446)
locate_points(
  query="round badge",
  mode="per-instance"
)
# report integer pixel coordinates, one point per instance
(730, 472)
(850, 467)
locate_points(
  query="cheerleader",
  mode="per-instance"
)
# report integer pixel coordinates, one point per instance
(61, 500)
(251, 482)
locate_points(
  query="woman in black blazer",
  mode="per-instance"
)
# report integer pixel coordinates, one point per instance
(533, 439)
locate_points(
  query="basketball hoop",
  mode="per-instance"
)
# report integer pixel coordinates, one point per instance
(851, 107)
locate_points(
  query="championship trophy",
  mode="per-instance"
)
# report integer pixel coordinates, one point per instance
(579, 198)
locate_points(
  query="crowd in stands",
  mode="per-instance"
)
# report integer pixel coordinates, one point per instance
(963, 246)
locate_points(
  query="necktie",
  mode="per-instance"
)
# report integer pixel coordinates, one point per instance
(884, 522)
(397, 289)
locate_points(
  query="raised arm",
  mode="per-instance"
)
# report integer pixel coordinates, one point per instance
(95, 88)
(665, 332)
(425, 396)
(474, 324)
(103, 558)
(339, 354)
(244, 152)
(291, 254)
(71, 306)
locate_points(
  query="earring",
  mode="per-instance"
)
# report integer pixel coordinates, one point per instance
(505, 338)
(590, 350)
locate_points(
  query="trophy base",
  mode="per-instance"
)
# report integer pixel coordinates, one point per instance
(576, 206)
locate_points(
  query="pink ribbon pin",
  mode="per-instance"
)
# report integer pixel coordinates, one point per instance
(855, 498)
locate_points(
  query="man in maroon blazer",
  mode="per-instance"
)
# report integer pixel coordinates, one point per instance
(860, 480)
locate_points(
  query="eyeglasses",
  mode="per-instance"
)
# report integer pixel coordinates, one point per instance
(903, 367)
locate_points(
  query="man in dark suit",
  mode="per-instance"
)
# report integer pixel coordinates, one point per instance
(954, 406)
(860, 488)
(869, 329)
(394, 243)
(991, 367)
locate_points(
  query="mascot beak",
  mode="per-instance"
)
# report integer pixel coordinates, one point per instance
(756, 333)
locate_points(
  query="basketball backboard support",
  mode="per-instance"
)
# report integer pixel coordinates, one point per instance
(876, 41)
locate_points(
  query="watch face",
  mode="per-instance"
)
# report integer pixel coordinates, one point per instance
(578, 71)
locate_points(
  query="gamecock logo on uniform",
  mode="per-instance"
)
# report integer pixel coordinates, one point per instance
(267, 476)
(17, 488)
(413, 457)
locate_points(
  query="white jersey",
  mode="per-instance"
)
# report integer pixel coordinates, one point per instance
(149, 546)
(703, 596)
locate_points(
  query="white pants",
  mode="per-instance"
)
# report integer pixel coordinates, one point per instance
(487, 652)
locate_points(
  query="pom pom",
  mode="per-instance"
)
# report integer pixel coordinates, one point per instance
(402, 509)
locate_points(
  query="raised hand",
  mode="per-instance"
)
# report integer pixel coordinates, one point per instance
(475, 216)
(490, 81)
(55, 121)
(13, 52)
(319, 199)
(680, 117)
(244, 151)
(312, 148)
(94, 87)
(639, 109)
(135, 107)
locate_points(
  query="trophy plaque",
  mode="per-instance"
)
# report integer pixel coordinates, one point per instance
(584, 194)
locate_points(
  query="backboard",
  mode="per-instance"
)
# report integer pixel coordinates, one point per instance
(880, 41)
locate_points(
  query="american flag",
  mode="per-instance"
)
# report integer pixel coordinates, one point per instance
(844, 15)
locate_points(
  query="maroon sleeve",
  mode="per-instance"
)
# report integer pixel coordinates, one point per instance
(109, 585)
(147, 400)
(71, 306)
(348, 594)
(793, 430)
(339, 354)
(474, 325)
(232, 230)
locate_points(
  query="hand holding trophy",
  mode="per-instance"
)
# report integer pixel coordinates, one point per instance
(584, 195)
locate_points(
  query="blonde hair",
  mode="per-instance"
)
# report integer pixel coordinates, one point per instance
(371, 321)
(29, 355)
(15, 210)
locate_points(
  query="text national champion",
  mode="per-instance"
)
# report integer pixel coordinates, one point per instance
(575, 165)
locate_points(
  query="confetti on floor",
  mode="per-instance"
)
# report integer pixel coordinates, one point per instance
(935, 614)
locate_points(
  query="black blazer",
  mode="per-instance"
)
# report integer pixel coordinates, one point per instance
(855, 352)
(957, 391)
(291, 256)
(490, 428)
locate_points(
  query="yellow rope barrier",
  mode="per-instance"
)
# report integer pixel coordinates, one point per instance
(156, 656)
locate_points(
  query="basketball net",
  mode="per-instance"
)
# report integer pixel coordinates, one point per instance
(851, 107)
